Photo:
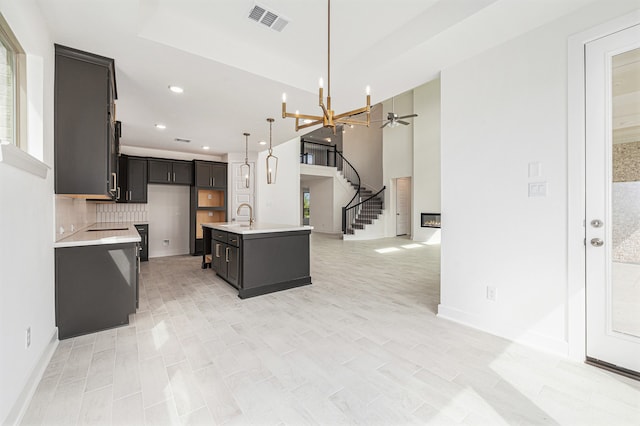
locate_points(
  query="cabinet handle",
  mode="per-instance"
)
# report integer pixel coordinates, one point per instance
(118, 194)
(213, 181)
(115, 182)
(130, 195)
(168, 176)
(174, 176)
(145, 239)
(226, 254)
(217, 250)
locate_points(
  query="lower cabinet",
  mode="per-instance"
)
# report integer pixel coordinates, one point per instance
(96, 287)
(226, 256)
(143, 230)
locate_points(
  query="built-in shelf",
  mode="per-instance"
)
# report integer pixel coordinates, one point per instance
(210, 198)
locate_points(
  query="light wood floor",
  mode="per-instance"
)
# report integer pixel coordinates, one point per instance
(362, 345)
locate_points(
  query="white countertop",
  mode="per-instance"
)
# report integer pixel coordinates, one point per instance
(256, 228)
(102, 233)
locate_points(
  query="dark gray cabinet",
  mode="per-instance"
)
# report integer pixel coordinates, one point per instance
(143, 230)
(210, 174)
(132, 179)
(226, 256)
(85, 145)
(96, 287)
(170, 172)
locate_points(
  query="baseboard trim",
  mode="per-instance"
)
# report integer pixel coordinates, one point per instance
(528, 338)
(22, 403)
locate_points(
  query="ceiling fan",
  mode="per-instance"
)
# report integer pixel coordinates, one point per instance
(392, 118)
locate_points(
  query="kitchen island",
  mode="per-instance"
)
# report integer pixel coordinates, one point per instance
(259, 258)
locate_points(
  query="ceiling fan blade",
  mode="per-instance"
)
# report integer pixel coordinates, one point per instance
(385, 124)
(407, 116)
(406, 123)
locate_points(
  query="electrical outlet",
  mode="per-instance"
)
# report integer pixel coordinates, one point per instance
(61, 230)
(492, 293)
(28, 338)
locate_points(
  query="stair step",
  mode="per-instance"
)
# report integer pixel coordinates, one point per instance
(364, 221)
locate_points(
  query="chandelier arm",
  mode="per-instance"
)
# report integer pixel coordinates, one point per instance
(303, 116)
(353, 122)
(304, 126)
(354, 112)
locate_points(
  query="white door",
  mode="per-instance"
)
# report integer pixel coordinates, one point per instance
(403, 206)
(612, 178)
(240, 193)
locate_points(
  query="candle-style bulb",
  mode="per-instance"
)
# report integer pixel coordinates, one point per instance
(284, 97)
(321, 82)
(368, 90)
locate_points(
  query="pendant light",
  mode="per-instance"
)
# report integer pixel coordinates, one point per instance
(272, 160)
(245, 169)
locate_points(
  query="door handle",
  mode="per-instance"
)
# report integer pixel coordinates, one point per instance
(597, 242)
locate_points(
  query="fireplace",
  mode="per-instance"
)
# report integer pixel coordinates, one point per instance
(430, 220)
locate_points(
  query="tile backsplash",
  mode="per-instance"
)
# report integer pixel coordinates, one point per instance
(73, 214)
(121, 213)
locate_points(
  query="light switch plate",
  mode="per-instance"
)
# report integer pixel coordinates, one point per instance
(535, 169)
(537, 189)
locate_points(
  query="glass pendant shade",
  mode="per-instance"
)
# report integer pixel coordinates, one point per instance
(245, 169)
(272, 160)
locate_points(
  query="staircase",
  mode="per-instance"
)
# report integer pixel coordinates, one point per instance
(369, 208)
(362, 212)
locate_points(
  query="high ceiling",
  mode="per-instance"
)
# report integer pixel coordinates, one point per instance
(234, 70)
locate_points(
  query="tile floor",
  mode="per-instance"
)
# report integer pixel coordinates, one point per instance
(361, 345)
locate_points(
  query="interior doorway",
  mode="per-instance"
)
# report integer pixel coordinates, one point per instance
(612, 199)
(403, 206)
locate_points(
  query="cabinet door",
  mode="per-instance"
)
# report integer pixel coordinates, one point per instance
(182, 173)
(160, 171)
(219, 175)
(219, 263)
(203, 174)
(233, 265)
(83, 145)
(137, 181)
(123, 171)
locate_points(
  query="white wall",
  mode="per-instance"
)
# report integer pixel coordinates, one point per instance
(27, 227)
(362, 147)
(397, 148)
(280, 202)
(327, 197)
(168, 212)
(502, 110)
(426, 157)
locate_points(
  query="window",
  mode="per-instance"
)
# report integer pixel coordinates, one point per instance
(12, 78)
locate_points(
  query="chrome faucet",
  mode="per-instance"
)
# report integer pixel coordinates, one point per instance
(251, 219)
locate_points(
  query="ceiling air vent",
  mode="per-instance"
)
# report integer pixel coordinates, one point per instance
(271, 19)
(182, 140)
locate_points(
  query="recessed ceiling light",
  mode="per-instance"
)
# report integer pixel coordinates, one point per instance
(262, 142)
(160, 126)
(205, 147)
(176, 89)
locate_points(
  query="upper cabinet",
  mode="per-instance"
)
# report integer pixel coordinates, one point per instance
(171, 172)
(132, 180)
(85, 144)
(210, 174)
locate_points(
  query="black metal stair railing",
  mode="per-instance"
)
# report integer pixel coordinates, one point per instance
(363, 213)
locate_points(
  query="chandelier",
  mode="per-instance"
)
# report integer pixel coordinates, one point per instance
(328, 118)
